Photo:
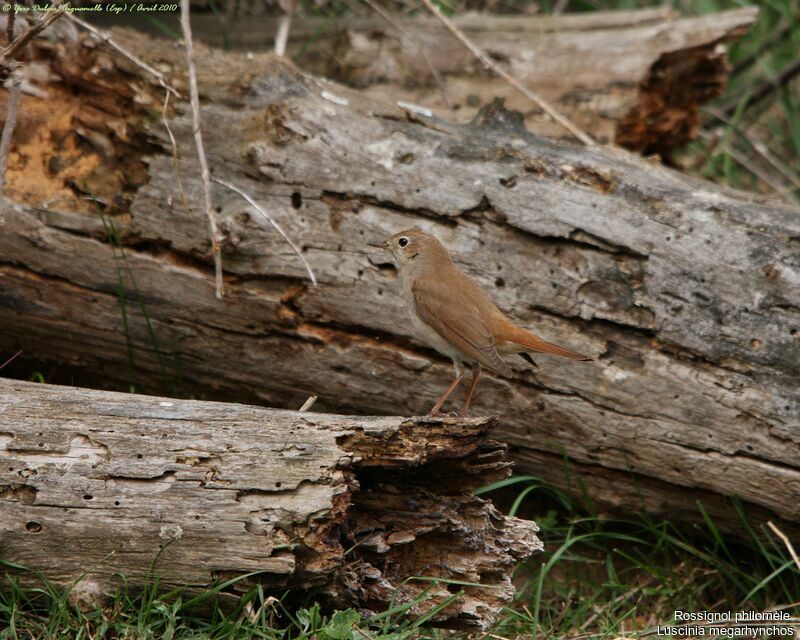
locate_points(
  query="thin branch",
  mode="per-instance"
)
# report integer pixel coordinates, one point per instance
(10, 124)
(560, 618)
(285, 25)
(779, 189)
(745, 163)
(132, 57)
(308, 404)
(759, 147)
(623, 597)
(415, 43)
(783, 29)
(763, 90)
(175, 155)
(278, 228)
(205, 174)
(511, 80)
(559, 7)
(10, 23)
(18, 353)
(786, 541)
(11, 50)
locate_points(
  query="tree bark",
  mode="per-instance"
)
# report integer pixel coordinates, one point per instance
(636, 78)
(129, 487)
(688, 296)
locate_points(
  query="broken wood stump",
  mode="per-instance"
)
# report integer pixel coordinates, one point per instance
(129, 487)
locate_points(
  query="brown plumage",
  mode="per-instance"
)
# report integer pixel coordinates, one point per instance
(451, 313)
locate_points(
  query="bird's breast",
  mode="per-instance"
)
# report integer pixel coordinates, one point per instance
(429, 336)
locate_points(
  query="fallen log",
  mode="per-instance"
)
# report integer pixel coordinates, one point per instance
(687, 295)
(636, 78)
(125, 489)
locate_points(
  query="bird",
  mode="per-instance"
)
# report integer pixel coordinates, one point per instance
(453, 314)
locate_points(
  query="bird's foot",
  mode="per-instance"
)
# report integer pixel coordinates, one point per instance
(443, 414)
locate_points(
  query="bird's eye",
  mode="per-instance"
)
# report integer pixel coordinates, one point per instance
(402, 242)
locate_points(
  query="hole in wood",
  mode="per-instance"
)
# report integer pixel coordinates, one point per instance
(33, 527)
(509, 183)
(297, 200)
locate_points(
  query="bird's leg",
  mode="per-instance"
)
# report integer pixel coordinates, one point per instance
(476, 372)
(449, 390)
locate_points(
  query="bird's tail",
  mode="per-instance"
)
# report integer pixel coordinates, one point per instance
(531, 342)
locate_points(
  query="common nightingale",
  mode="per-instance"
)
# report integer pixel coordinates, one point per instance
(452, 314)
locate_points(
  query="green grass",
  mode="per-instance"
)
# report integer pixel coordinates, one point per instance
(754, 145)
(599, 577)
(170, 380)
(603, 577)
(45, 612)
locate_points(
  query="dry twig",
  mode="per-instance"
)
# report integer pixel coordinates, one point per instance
(278, 228)
(205, 174)
(285, 25)
(785, 541)
(10, 23)
(623, 597)
(759, 147)
(18, 353)
(559, 618)
(783, 29)
(559, 7)
(415, 43)
(763, 90)
(10, 124)
(10, 51)
(780, 190)
(308, 404)
(511, 80)
(175, 156)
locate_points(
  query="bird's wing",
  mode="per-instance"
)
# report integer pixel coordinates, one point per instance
(458, 321)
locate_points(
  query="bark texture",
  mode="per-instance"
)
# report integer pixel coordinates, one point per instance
(637, 78)
(197, 492)
(688, 296)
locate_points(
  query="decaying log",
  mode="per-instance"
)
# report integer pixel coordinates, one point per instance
(129, 487)
(688, 296)
(637, 78)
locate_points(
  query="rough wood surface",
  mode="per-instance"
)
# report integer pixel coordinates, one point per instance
(195, 492)
(637, 78)
(689, 297)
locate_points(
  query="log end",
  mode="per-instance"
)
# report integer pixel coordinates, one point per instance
(417, 530)
(667, 112)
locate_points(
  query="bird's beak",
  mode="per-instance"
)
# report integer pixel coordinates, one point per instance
(378, 245)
